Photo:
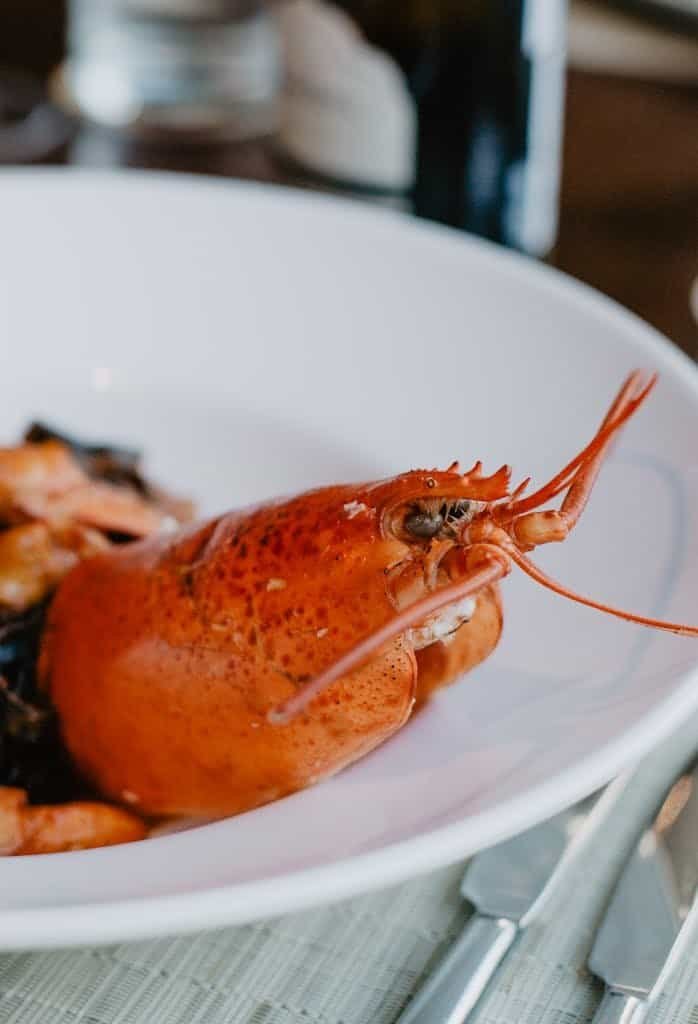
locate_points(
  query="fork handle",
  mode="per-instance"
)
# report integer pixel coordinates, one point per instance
(460, 979)
(620, 1008)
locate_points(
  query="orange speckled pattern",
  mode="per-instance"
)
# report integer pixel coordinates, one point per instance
(164, 657)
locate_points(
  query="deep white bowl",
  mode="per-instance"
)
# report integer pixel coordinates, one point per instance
(257, 341)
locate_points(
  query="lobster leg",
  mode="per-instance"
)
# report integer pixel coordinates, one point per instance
(441, 663)
(488, 566)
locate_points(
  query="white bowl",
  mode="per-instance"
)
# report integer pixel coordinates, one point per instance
(257, 341)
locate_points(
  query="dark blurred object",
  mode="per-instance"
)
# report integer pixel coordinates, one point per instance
(32, 34)
(453, 107)
(31, 128)
(32, 755)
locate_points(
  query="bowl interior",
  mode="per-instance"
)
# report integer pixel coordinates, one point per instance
(256, 342)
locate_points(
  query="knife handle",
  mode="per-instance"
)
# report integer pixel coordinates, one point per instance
(458, 982)
(619, 1008)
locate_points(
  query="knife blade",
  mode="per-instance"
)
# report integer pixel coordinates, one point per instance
(652, 910)
(508, 885)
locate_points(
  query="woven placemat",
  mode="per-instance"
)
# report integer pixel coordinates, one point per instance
(359, 961)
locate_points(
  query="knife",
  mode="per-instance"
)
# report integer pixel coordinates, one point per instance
(508, 885)
(652, 911)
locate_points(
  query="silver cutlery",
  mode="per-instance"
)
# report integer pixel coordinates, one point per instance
(652, 911)
(508, 885)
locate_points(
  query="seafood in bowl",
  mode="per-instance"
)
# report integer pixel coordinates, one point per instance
(209, 668)
(60, 501)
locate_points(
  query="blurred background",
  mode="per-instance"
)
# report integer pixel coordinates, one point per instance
(568, 132)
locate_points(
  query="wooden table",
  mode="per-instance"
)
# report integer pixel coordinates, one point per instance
(629, 203)
(629, 213)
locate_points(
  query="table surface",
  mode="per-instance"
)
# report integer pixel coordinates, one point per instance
(629, 199)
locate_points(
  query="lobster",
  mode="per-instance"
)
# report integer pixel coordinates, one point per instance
(220, 667)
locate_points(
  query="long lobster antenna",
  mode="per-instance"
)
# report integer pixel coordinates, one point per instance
(628, 400)
(540, 577)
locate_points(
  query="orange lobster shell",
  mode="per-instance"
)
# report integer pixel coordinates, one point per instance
(234, 662)
(164, 659)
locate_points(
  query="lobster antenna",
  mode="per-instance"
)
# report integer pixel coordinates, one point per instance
(623, 407)
(540, 577)
(414, 614)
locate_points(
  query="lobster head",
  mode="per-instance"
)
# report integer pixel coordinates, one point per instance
(423, 505)
(462, 532)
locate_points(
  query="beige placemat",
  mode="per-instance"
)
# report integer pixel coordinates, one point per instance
(359, 961)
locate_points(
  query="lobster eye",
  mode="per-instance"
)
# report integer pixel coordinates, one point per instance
(423, 524)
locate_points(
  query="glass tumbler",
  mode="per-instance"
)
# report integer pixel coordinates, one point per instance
(206, 68)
